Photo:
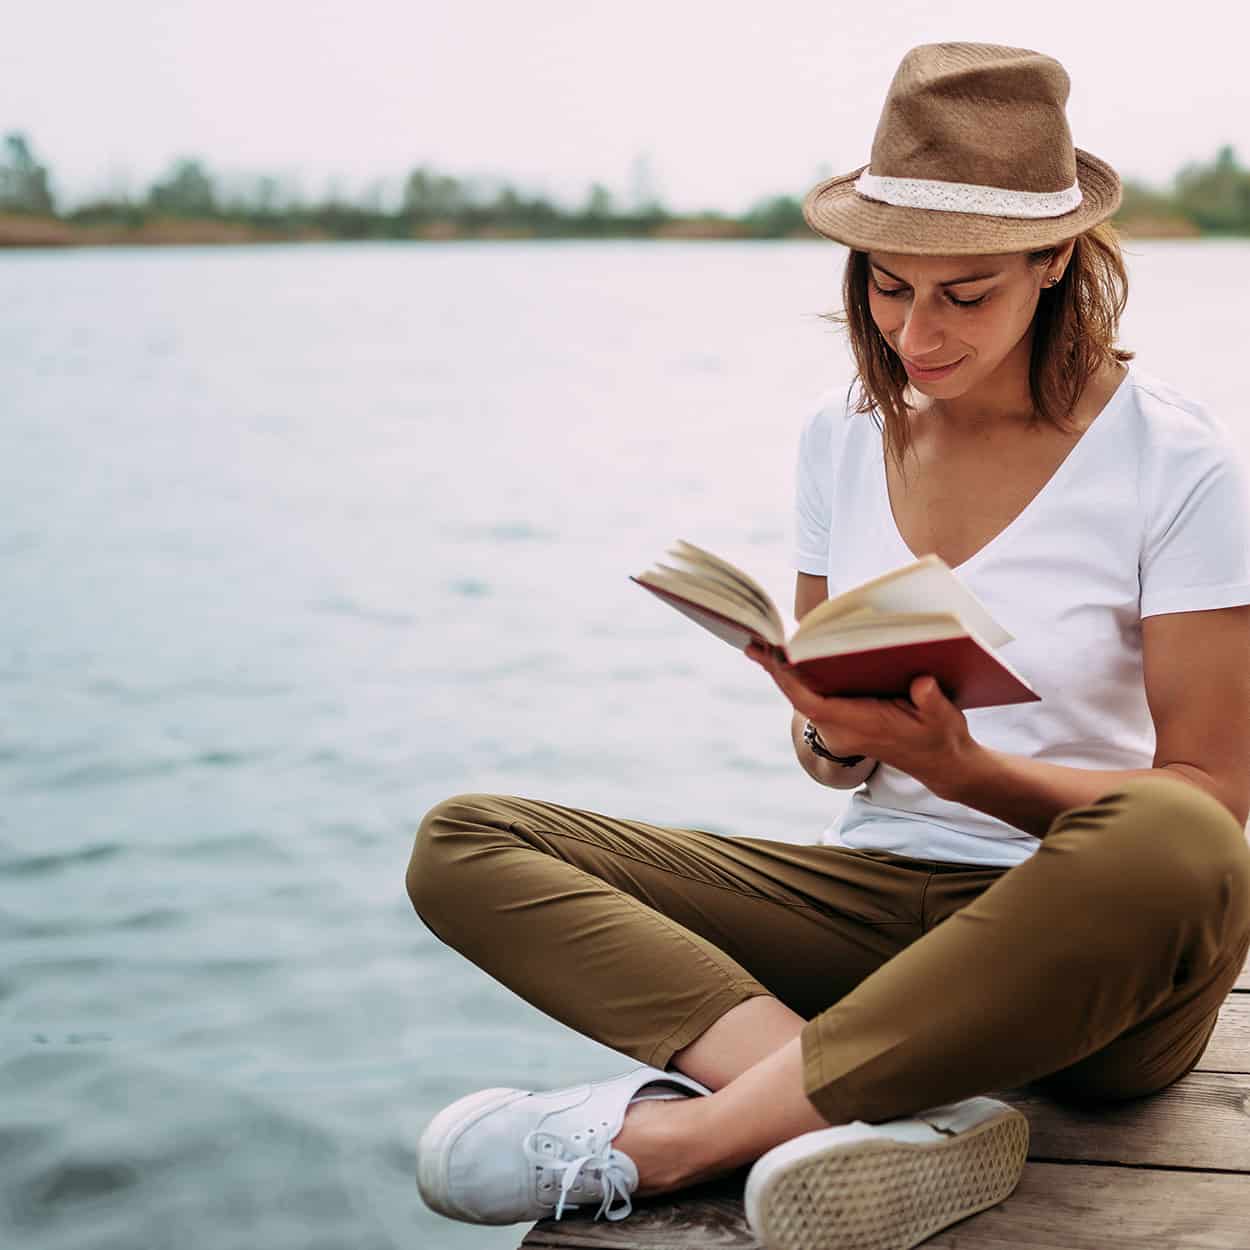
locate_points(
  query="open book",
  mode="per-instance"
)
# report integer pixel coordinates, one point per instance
(870, 640)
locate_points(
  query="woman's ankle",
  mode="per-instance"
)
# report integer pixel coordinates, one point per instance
(662, 1137)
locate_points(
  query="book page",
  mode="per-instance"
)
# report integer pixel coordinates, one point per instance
(714, 581)
(705, 595)
(705, 562)
(873, 634)
(927, 585)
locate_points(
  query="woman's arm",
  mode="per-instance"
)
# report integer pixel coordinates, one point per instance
(1197, 676)
(811, 590)
(838, 776)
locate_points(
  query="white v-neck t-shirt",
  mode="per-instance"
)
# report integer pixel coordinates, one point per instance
(1148, 513)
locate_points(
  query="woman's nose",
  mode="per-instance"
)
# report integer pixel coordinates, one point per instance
(920, 335)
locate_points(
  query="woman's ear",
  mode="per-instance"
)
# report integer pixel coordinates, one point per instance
(1063, 257)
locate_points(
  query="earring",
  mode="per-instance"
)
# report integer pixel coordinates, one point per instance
(1052, 281)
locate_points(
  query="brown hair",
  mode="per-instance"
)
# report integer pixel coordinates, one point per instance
(1074, 332)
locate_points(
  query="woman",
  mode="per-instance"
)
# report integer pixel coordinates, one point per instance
(1054, 892)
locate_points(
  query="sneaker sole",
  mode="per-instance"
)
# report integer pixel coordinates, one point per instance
(437, 1138)
(878, 1194)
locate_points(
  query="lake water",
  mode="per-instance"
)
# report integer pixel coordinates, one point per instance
(297, 541)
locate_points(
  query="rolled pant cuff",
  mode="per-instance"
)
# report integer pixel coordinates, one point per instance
(700, 1020)
(817, 1089)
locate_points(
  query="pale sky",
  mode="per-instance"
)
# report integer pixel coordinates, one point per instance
(727, 102)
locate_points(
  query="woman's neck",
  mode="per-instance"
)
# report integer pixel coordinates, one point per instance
(1003, 398)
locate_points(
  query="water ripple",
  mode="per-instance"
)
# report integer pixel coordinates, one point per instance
(469, 587)
(138, 694)
(341, 605)
(501, 532)
(222, 848)
(104, 773)
(71, 1181)
(34, 865)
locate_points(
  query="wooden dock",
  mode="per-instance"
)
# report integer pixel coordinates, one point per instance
(1170, 1171)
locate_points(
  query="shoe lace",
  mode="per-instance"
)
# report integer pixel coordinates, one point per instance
(553, 1155)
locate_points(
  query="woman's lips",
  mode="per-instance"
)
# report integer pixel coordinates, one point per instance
(925, 375)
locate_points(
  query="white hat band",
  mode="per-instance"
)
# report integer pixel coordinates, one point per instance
(965, 197)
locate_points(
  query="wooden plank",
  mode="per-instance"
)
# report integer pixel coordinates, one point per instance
(1229, 1047)
(1056, 1206)
(1064, 1207)
(1203, 1121)
(704, 1217)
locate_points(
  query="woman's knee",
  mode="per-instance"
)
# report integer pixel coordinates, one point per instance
(445, 840)
(1168, 842)
(1183, 827)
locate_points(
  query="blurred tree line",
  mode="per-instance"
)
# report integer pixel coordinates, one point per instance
(1203, 198)
(23, 181)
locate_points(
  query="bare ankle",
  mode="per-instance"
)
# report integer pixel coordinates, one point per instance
(656, 1134)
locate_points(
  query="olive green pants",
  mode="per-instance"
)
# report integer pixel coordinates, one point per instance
(1096, 967)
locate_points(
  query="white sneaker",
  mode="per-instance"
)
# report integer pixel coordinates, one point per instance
(886, 1186)
(502, 1156)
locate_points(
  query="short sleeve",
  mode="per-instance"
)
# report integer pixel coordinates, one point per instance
(813, 493)
(1196, 544)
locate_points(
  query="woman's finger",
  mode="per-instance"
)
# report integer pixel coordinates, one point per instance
(803, 698)
(800, 696)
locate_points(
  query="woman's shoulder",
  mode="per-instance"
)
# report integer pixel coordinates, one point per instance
(1188, 459)
(830, 404)
(1167, 418)
(829, 419)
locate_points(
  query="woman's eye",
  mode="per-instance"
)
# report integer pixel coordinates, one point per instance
(891, 292)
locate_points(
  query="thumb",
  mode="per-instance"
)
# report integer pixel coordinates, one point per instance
(925, 692)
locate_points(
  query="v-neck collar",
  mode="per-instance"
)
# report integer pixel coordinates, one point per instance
(1065, 469)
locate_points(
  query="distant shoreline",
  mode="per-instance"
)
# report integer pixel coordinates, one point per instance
(191, 205)
(25, 231)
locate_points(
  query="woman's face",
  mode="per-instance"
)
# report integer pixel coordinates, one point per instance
(967, 311)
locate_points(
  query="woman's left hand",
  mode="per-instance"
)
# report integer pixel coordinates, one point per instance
(925, 736)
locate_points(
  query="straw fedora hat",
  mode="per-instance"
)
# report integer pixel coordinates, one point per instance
(972, 154)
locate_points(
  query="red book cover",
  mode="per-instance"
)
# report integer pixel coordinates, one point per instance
(970, 674)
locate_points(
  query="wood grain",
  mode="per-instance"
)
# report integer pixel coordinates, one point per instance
(1055, 1207)
(1077, 1192)
(709, 1217)
(1061, 1207)
(1203, 1121)
(1229, 1047)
